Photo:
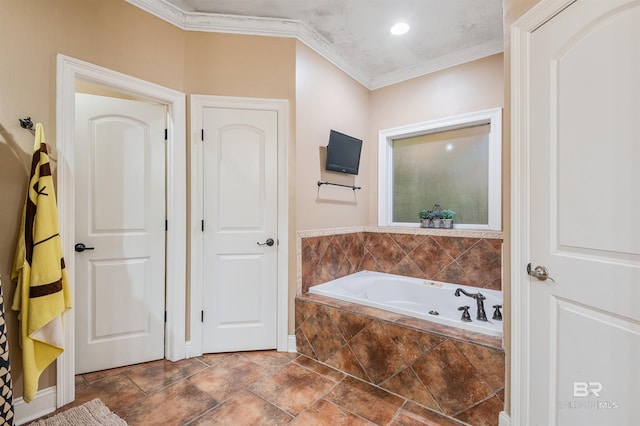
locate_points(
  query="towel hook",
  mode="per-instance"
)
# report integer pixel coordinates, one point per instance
(26, 123)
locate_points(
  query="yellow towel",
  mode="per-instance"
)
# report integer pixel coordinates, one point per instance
(42, 295)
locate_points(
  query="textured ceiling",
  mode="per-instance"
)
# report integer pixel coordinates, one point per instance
(354, 34)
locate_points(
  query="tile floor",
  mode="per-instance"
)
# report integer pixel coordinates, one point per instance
(247, 388)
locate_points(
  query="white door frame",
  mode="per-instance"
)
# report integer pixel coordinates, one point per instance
(70, 70)
(281, 106)
(521, 32)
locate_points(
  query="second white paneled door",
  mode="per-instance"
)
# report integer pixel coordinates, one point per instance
(240, 229)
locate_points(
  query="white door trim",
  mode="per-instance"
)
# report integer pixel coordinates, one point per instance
(70, 70)
(521, 32)
(198, 102)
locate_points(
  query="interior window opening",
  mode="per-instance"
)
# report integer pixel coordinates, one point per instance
(442, 169)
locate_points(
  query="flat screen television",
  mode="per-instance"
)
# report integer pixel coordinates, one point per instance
(343, 153)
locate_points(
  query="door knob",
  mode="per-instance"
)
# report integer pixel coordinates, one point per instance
(539, 272)
(81, 247)
(269, 243)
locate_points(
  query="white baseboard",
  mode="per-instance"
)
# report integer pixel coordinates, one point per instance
(42, 404)
(291, 343)
(187, 350)
(504, 419)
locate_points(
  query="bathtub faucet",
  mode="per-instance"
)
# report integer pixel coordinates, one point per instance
(482, 316)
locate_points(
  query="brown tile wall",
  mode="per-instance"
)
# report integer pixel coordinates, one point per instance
(459, 377)
(471, 261)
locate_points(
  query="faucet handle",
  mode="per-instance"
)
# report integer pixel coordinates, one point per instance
(497, 315)
(465, 313)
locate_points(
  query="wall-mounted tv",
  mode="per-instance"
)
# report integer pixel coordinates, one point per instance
(343, 153)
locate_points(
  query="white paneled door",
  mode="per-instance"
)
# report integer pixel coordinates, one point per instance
(584, 209)
(120, 219)
(240, 253)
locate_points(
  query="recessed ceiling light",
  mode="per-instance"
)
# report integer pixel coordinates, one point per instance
(400, 28)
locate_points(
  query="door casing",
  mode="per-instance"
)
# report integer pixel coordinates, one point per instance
(198, 102)
(70, 70)
(520, 321)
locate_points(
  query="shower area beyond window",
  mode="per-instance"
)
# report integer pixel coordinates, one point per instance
(448, 168)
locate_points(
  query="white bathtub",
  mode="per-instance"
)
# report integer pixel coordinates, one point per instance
(426, 299)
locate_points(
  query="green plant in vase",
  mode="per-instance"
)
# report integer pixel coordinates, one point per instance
(424, 218)
(447, 218)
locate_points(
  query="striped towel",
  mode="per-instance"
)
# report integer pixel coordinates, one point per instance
(42, 295)
(6, 388)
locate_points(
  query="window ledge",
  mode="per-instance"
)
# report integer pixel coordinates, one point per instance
(462, 233)
(465, 233)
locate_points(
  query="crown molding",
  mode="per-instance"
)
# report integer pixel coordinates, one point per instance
(250, 25)
(458, 57)
(162, 10)
(271, 27)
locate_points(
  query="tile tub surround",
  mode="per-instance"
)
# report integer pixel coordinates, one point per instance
(460, 257)
(453, 372)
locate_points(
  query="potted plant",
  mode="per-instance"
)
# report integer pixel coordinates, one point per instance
(447, 218)
(425, 219)
(436, 216)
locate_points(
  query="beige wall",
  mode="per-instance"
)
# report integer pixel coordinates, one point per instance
(115, 35)
(107, 33)
(327, 98)
(240, 65)
(469, 87)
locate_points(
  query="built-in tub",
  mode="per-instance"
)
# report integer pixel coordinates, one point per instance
(425, 299)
